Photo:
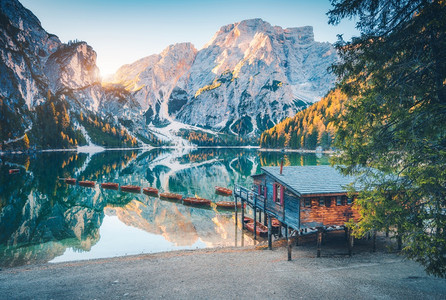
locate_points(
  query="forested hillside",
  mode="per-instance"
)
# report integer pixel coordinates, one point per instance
(309, 128)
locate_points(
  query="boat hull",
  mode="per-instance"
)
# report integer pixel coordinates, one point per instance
(197, 201)
(110, 185)
(171, 196)
(228, 205)
(87, 183)
(70, 180)
(131, 188)
(223, 191)
(150, 191)
(261, 229)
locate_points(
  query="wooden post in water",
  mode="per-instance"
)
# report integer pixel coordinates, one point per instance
(270, 234)
(260, 216)
(288, 242)
(255, 219)
(235, 208)
(319, 241)
(243, 213)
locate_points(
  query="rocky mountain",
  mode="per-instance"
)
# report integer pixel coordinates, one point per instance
(36, 66)
(248, 77)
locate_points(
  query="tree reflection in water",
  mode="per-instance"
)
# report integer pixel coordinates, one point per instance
(41, 216)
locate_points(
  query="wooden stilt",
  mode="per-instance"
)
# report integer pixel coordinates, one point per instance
(288, 243)
(260, 216)
(346, 233)
(319, 241)
(374, 240)
(235, 208)
(255, 223)
(270, 229)
(243, 214)
(350, 242)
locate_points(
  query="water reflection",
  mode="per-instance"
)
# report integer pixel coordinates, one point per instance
(43, 219)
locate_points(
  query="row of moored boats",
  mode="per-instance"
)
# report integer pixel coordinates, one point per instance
(153, 192)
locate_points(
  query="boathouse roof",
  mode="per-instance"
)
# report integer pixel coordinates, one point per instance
(311, 180)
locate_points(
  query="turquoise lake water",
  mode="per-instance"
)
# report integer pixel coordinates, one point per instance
(43, 219)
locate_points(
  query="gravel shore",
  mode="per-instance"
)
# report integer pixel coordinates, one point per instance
(228, 273)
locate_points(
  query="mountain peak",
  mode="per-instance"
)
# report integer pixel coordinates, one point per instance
(236, 33)
(179, 47)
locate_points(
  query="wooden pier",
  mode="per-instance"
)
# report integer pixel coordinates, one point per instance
(305, 200)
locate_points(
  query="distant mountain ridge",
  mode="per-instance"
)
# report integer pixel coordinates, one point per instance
(247, 78)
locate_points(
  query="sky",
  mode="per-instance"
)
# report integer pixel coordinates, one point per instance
(122, 32)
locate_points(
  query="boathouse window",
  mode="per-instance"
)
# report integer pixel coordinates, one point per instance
(349, 201)
(338, 200)
(307, 202)
(321, 201)
(328, 202)
(259, 189)
(278, 193)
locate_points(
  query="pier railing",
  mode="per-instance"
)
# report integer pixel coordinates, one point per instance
(251, 197)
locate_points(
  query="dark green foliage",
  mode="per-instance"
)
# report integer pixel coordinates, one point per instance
(151, 139)
(12, 122)
(264, 123)
(242, 126)
(395, 120)
(202, 138)
(53, 127)
(104, 134)
(309, 128)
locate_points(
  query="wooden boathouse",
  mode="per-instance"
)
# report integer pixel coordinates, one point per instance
(305, 199)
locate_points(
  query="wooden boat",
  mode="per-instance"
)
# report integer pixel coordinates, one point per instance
(171, 196)
(13, 171)
(131, 188)
(228, 204)
(110, 185)
(260, 228)
(70, 180)
(196, 201)
(87, 183)
(248, 220)
(150, 191)
(223, 191)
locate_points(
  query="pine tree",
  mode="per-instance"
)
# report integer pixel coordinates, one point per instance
(395, 120)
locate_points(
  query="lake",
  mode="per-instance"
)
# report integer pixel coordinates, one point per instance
(43, 219)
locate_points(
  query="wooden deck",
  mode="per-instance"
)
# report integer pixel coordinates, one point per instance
(259, 202)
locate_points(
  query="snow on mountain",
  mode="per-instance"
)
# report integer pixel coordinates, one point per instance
(247, 78)
(152, 80)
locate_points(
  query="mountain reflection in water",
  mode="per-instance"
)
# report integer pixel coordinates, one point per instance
(44, 219)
